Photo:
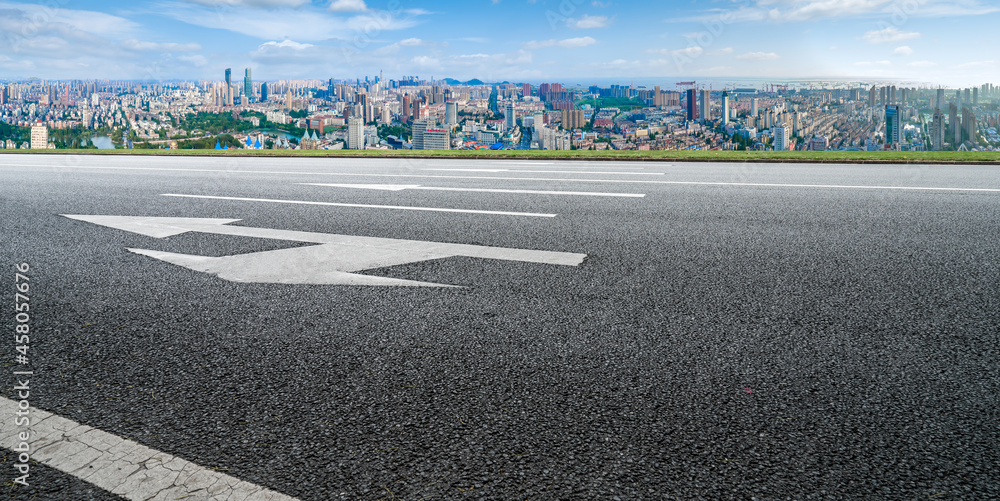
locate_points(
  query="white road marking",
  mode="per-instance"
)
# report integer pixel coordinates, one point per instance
(334, 262)
(495, 171)
(366, 206)
(401, 187)
(121, 466)
(557, 179)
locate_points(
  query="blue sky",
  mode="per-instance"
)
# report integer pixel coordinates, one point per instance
(950, 42)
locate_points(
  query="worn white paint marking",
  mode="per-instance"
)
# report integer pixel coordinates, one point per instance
(401, 187)
(334, 262)
(495, 171)
(122, 466)
(560, 179)
(366, 206)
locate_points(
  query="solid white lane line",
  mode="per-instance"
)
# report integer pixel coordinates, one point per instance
(494, 171)
(366, 206)
(556, 179)
(401, 187)
(118, 465)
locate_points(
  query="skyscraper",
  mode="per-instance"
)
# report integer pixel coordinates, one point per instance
(692, 104)
(418, 129)
(725, 107)
(780, 138)
(937, 130)
(892, 126)
(510, 120)
(969, 124)
(940, 99)
(956, 128)
(247, 86)
(263, 92)
(229, 87)
(355, 134)
(451, 113)
(706, 105)
(754, 107)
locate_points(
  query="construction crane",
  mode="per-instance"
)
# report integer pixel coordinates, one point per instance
(685, 84)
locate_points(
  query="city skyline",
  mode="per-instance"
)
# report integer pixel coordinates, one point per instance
(938, 42)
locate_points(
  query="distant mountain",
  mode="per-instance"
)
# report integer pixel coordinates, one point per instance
(452, 81)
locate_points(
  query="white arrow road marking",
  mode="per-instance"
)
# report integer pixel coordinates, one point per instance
(121, 466)
(401, 187)
(335, 262)
(493, 171)
(365, 206)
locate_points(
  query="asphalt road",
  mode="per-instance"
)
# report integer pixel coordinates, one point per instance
(750, 340)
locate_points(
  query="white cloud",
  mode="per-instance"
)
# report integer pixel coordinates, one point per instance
(573, 43)
(411, 42)
(427, 62)
(820, 9)
(291, 44)
(194, 59)
(868, 64)
(759, 56)
(303, 24)
(903, 50)
(922, 64)
(588, 22)
(887, 35)
(721, 52)
(250, 3)
(976, 65)
(137, 45)
(569, 43)
(348, 6)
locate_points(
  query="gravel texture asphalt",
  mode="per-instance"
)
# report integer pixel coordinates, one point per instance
(719, 341)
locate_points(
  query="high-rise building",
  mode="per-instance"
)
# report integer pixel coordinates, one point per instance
(956, 129)
(247, 85)
(573, 119)
(526, 89)
(288, 100)
(263, 92)
(871, 96)
(706, 105)
(754, 103)
(939, 102)
(229, 87)
(692, 104)
(725, 107)
(975, 96)
(418, 129)
(969, 124)
(451, 112)
(780, 138)
(509, 119)
(937, 130)
(893, 128)
(39, 137)
(355, 134)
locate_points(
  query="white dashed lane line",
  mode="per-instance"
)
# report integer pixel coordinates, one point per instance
(364, 206)
(401, 187)
(122, 466)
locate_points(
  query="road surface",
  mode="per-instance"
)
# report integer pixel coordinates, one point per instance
(411, 329)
